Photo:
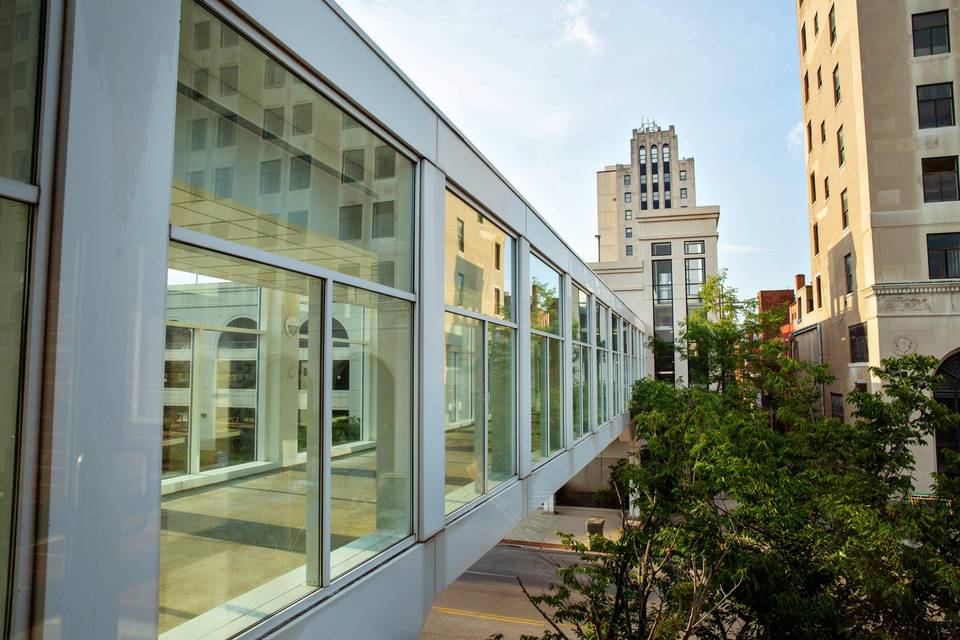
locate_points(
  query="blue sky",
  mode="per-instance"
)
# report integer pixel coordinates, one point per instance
(549, 91)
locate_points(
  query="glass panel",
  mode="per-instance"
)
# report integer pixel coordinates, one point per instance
(581, 315)
(544, 297)
(601, 387)
(502, 404)
(581, 390)
(372, 481)
(236, 548)
(479, 261)
(556, 395)
(463, 382)
(14, 239)
(289, 187)
(602, 326)
(539, 397)
(20, 44)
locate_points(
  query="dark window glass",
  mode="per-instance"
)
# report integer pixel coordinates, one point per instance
(844, 209)
(629, 249)
(836, 405)
(841, 148)
(806, 87)
(940, 179)
(270, 176)
(229, 79)
(848, 272)
(813, 188)
(858, 343)
(660, 248)
(819, 293)
(273, 123)
(351, 222)
(384, 163)
(833, 24)
(300, 168)
(935, 105)
(341, 375)
(931, 33)
(352, 166)
(943, 254)
(836, 85)
(383, 219)
(816, 239)
(302, 118)
(803, 39)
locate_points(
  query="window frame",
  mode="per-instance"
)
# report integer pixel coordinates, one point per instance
(936, 104)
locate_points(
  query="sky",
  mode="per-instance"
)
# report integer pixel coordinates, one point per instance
(550, 90)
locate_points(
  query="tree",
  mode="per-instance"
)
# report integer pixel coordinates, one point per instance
(759, 518)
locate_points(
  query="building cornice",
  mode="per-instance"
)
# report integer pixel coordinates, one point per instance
(918, 286)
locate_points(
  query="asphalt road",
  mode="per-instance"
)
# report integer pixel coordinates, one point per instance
(487, 599)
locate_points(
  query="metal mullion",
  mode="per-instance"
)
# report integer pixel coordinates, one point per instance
(24, 192)
(252, 254)
(326, 435)
(460, 311)
(214, 327)
(545, 334)
(486, 406)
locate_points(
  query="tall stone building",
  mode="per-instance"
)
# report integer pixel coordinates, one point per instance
(877, 82)
(657, 246)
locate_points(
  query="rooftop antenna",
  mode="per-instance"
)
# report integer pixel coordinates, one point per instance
(648, 124)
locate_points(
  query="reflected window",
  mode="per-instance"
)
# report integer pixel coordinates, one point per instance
(544, 297)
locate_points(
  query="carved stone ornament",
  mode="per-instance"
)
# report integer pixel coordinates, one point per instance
(905, 303)
(904, 345)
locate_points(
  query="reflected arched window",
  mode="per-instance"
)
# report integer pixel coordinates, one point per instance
(949, 395)
(237, 340)
(178, 337)
(666, 153)
(237, 370)
(338, 331)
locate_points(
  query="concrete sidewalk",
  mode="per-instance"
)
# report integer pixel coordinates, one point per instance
(540, 529)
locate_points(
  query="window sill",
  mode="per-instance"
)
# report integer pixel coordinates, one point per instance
(215, 476)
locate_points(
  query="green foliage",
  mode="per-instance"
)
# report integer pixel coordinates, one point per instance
(756, 517)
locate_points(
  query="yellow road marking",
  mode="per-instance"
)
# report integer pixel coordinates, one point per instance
(492, 616)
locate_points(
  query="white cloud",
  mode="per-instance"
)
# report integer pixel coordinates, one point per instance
(576, 26)
(795, 137)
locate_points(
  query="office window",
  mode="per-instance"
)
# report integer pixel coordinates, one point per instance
(198, 140)
(642, 158)
(940, 179)
(643, 200)
(683, 193)
(487, 264)
(351, 222)
(463, 390)
(832, 19)
(663, 348)
(692, 247)
(826, 187)
(580, 318)
(273, 123)
(931, 33)
(602, 341)
(546, 359)
(384, 163)
(226, 131)
(303, 118)
(228, 37)
(352, 166)
(816, 239)
(544, 297)
(300, 170)
(629, 249)
(229, 79)
(841, 148)
(809, 137)
(806, 87)
(628, 197)
(836, 406)
(819, 77)
(201, 34)
(666, 156)
(643, 182)
(803, 39)
(270, 171)
(383, 220)
(844, 209)
(816, 24)
(628, 214)
(943, 255)
(819, 291)
(823, 131)
(813, 188)
(274, 75)
(859, 351)
(581, 385)
(197, 181)
(626, 180)
(836, 85)
(628, 232)
(683, 174)
(935, 105)
(223, 182)
(660, 249)
(848, 272)
(696, 275)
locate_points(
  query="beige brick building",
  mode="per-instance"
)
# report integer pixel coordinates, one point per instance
(878, 84)
(656, 245)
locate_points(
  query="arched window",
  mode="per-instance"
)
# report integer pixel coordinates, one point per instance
(338, 332)
(653, 155)
(236, 340)
(948, 394)
(236, 371)
(642, 155)
(178, 337)
(666, 153)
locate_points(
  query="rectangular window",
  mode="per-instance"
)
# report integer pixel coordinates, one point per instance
(943, 255)
(580, 316)
(660, 249)
(198, 139)
(806, 87)
(628, 232)
(226, 131)
(816, 239)
(229, 80)
(352, 167)
(228, 37)
(841, 148)
(935, 105)
(844, 209)
(836, 85)
(626, 180)
(940, 179)
(544, 297)
(384, 163)
(931, 33)
(201, 34)
(809, 137)
(813, 188)
(803, 39)
(270, 176)
(692, 247)
(486, 266)
(859, 351)
(274, 75)
(223, 183)
(501, 405)
(546, 399)
(463, 388)
(663, 346)
(628, 214)
(848, 272)
(683, 174)
(826, 187)
(629, 250)
(351, 222)
(819, 77)
(302, 118)
(833, 24)
(628, 197)
(836, 405)
(683, 193)
(383, 219)
(300, 171)
(273, 123)
(819, 293)
(696, 275)
(823, 131)
(602, 341)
